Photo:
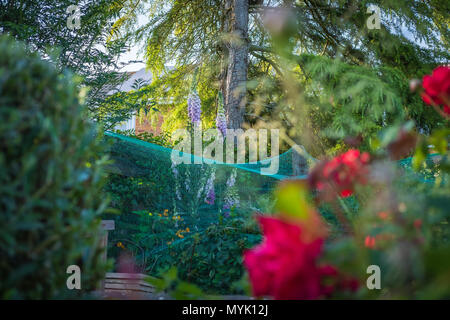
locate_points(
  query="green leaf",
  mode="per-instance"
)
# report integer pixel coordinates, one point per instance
(292, 200)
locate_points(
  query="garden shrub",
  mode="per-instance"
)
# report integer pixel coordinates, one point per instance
(50, 180)
(207, 254)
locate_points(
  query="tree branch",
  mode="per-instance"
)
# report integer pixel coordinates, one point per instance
(253, 48)
(272, 63)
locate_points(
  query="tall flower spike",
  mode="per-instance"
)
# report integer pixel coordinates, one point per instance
(194, 108)
(194, 103)
(232, 179)
(211, 196)
(221, 121)
(209, 187)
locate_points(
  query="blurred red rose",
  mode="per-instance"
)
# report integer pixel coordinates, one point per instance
(447, 110)
(285, 266)
(340, 174)
(437, 87)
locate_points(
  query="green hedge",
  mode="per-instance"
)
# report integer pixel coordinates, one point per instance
(50, 180)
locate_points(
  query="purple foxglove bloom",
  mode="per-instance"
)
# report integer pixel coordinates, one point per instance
(230, 202)
(194, 108)
(209, 187)
(211, 196)
(227, 205)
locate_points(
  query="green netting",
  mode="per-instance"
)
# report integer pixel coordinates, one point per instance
(146, 149)
(427, 174)
(156, 198)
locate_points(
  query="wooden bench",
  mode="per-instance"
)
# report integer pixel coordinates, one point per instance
(127, 283)
(122, 284)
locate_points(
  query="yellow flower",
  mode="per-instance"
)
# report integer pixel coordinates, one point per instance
(150, 214)
(188, 230)
(120, 245)
(180, 236)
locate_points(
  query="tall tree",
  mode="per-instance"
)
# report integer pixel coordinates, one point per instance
(347, 79)
(235, 75)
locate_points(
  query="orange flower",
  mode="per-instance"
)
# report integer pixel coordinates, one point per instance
(179, 234)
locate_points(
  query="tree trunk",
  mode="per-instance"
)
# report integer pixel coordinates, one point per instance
(234, 75)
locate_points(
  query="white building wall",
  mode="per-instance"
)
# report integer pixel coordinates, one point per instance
(126, 87)
(127, 125)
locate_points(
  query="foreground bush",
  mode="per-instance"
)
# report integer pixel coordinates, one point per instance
(50, 180)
